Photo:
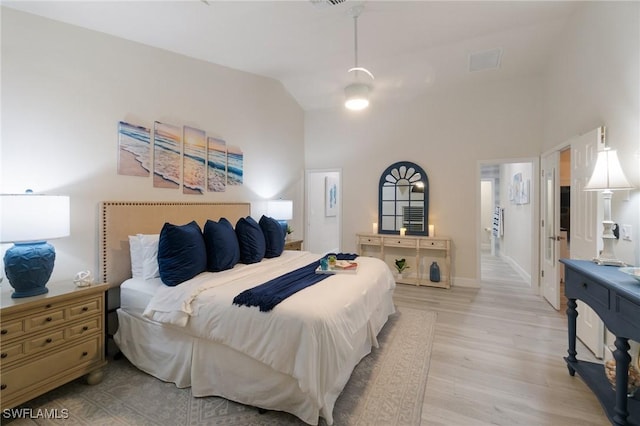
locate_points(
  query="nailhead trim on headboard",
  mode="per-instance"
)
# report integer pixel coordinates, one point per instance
(119, 219)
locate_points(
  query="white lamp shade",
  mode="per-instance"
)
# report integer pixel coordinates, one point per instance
(357, 96)
(280, 209)
(29, 217)
(607, 174)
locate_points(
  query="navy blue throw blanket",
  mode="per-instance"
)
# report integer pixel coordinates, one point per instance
(266, 296)
(343, 256)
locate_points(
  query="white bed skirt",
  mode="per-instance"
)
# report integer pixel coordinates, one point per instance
(213, 369)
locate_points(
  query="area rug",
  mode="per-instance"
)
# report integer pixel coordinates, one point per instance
(386, 388)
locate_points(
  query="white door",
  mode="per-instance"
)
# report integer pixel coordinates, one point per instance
(550, 228)
(323, 233)
(585, 226)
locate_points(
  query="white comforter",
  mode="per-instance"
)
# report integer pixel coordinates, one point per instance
(307, 336)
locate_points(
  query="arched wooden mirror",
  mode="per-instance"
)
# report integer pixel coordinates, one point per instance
(403, 199)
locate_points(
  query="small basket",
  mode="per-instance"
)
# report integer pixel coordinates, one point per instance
(634, 376)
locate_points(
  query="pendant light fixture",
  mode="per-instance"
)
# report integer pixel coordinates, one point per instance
(357, 93)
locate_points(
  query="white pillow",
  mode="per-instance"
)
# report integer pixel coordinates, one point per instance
(144, 256)
(149, 245)
(135, 249)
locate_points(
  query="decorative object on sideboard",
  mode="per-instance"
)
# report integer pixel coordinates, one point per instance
(282, 211)
(632, 271)
(432, 230)
(633, 380)
(357, 93)
(401, 265)
(83, 279)
(28, 220)
(374, 227)
(434, 273)
(607, 177)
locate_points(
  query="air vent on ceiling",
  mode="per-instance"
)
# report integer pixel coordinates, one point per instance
(486, 60)
(325, 3)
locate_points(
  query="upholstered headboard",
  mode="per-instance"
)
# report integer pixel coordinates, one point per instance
(119, 219)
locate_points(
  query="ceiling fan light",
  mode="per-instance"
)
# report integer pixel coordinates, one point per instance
(357, 96)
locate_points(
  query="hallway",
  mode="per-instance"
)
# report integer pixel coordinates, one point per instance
(494, 268)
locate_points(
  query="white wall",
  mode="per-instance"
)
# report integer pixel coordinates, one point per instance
(594, 80)
(446, 134)
(517, 220)
(64, 89)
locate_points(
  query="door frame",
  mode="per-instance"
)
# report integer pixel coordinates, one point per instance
(553, 266)
(535, 216)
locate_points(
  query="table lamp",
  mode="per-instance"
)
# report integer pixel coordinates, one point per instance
(282, 211)
(28, 220)
(607, 177)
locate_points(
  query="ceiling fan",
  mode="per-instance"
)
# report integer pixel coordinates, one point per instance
(357, 93)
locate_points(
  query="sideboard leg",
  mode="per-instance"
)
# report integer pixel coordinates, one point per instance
(621, 355)
(572, 315)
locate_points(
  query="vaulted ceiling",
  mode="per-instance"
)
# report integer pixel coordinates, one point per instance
(412, 47)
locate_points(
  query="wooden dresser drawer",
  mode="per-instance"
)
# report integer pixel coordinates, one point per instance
(433, 244)
(11, 329)
(47, 319)
(628, 310)
(400, 242)
(581, 287)
(11, 352)
(373, 241)
(84, 328)
(85, 308)
(24, 377)
(44, 341)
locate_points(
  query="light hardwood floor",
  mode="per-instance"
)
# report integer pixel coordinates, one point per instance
(497, 359)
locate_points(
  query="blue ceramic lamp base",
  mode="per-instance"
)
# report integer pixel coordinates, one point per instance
(28, 267)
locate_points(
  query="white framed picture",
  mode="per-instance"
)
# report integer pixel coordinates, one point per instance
(330, 196)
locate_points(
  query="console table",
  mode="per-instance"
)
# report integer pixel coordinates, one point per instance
(615, 297)
(419, 251)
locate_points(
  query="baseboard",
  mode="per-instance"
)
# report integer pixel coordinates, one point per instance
(516, 266)
(465, 282)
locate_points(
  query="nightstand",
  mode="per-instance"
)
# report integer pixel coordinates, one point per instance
(50, 339)
(293, 245)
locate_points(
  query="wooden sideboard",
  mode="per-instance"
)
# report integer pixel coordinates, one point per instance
(420, 253)
(615, 297)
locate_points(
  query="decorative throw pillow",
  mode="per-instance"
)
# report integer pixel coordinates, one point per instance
(251, 240)
(181, 253)
(223, 251)
(273, 235)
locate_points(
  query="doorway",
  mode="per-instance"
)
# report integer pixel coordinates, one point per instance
(506, 230)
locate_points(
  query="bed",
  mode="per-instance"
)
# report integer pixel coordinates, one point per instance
(296, 358)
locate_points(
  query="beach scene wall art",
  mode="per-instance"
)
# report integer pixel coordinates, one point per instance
(167, 155)
(235, 165)
(216, 164)
(134, 150)
(180, 156)
(193, 161)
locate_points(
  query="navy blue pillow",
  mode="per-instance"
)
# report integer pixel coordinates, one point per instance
(223, 251)
(251, 240)
(273, 236)
(182, 253)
